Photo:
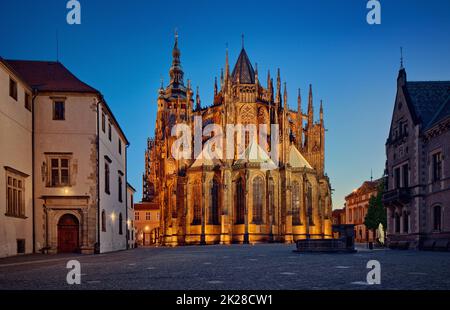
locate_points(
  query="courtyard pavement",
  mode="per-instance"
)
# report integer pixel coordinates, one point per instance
(235, 267)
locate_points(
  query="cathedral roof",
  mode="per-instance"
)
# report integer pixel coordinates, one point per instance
(296, 159)
(243, 71)
(255, 154)
(205, 159)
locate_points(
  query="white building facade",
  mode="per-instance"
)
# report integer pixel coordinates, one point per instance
(16, 188)
(79, 159)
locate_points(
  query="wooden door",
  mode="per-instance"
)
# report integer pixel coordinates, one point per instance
(68, 233)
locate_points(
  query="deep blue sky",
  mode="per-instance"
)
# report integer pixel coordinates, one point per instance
(123, 48)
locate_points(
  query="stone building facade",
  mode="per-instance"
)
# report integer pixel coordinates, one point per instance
(356, 207)
(248, 197)
(76, 189)
(417, 167)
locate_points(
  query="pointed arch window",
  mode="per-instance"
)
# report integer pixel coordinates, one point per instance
(258, 196)
(214, 212)
(197, 216)
(309, 203)
(296, 203)
(272, 201)
(240, 202)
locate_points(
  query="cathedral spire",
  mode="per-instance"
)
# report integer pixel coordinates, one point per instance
(299, 103)
(198, 104)
(268, 79)
(256, 74)
(310, 107)
(299, 121)
(401, 58)
(176, 72)
(271, 91)
(227, 64)
(321, 112)
(215, 86)
(278, 95)
(285, 97)
(221, 78)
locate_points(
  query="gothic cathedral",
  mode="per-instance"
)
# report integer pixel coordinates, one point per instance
(237, 200)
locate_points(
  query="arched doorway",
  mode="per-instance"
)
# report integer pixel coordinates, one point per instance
(68, 232)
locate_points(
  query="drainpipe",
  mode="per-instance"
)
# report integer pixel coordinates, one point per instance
(32, 172)
(97, 249)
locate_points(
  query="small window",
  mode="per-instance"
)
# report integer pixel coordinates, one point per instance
(120, 188)
(405, 176)
(27, 101)
(437, 215)
(20, 246)
(120, 224)
(120, 146)
(103, 221)
(109, 132)
(148, 216)
(59, 111)
(437, 167)
(397, 178)
(397, 223)
(107, 178)
(13, 89)
(136, 216)
(405, 222)
(103, 122)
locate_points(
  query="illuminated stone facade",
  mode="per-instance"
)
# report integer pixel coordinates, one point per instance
(210, 201)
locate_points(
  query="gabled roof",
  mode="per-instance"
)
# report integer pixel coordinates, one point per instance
(255, 154)
(205, 159)
(430, 101)
(243, 71)
(49, 76)
(366, 187)
(52, 76)
(296, 159)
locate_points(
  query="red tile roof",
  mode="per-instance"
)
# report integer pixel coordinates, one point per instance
(49, 76)
(142, 206)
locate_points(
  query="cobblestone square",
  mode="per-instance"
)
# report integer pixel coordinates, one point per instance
(235, 267)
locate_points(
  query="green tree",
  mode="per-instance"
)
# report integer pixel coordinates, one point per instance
(376, 213)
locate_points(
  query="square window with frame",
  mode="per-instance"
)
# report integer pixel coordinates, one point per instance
(59, 171)
(59, 111)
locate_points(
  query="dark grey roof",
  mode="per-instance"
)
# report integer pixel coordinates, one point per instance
(430, 101)
(243, 71)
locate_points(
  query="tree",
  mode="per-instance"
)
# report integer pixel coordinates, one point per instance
(376, 213)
